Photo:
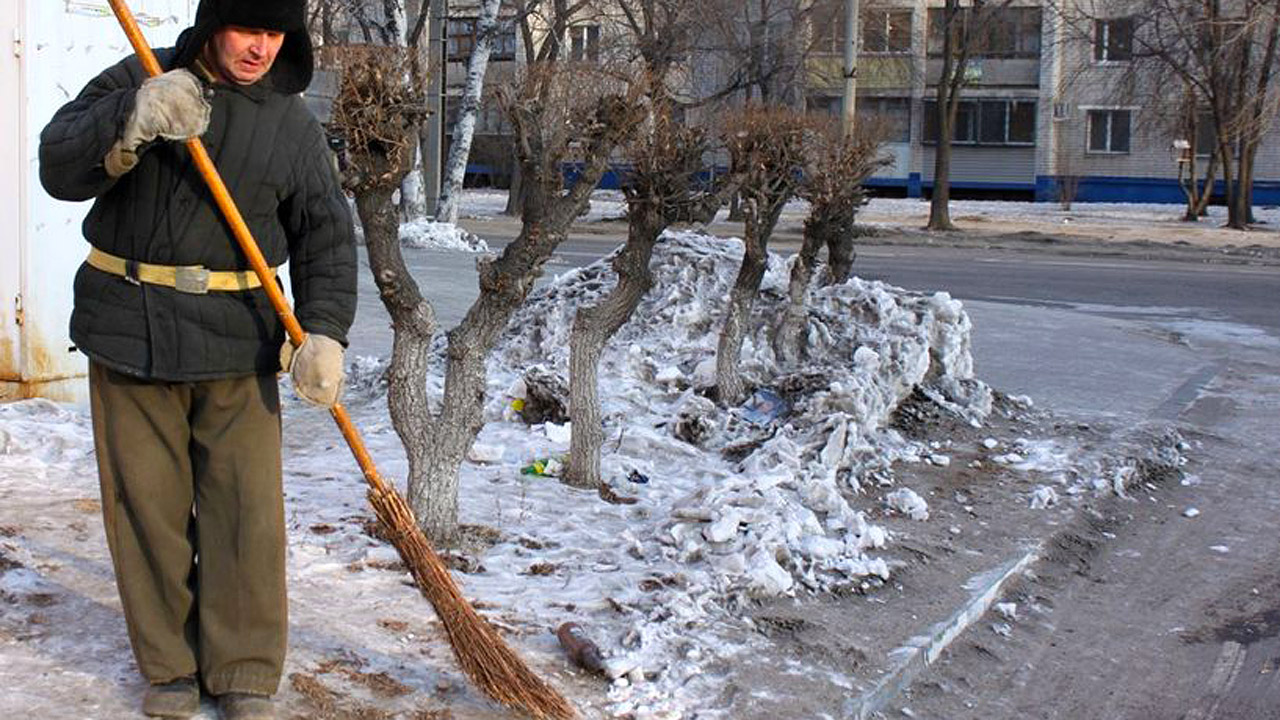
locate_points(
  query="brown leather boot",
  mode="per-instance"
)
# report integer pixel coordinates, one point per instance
(175, 699)
(243, 706)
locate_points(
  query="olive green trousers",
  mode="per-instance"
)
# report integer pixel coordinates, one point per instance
(194, 514)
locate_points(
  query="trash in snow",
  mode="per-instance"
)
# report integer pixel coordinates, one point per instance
(1043, 497)
(581, 650)
(545, 467)
(909, 503)
(1191, 512)
(1008, 609)
(638, 477)
(764, 407)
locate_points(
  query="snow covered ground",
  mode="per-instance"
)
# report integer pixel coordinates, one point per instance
(786, 496)
(1097, 221)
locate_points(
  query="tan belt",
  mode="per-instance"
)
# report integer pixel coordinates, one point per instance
(194, 279)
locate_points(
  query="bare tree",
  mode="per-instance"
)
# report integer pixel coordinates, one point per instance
(836, 164)
(661, 187)
(1222, 53)
(556, 112)
(766, 153)
(964, 32)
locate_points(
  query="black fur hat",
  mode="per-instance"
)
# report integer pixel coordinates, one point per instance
(292, 70)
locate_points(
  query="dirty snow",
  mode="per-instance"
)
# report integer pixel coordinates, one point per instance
(776, 498)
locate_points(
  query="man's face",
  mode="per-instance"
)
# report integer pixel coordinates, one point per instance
(244, 55)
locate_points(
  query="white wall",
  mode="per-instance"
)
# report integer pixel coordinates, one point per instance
(64, 44)
(11, 201)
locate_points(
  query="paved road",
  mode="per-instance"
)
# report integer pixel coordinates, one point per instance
(1171, 617)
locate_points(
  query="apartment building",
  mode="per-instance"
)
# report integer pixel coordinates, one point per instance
(1048, 107)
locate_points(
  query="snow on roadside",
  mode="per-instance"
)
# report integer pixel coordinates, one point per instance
(421, 233)
(773, 498)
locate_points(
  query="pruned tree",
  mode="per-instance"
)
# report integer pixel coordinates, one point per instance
(766, 154)
(836, 164)
(661, 186)
(558, 115)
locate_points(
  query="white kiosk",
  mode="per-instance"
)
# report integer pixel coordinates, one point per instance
(50, 49)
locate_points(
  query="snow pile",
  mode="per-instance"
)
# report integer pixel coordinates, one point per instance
(789, 462)
(431, 235)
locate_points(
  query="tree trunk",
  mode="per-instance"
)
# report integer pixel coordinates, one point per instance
(841, 255)
(593, 327)
(947, 106)
(788, 343)
(464, 129)
(515, 195)
(760, 223)
(413, 323)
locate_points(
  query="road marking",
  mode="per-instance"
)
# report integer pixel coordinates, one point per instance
(1224, 674)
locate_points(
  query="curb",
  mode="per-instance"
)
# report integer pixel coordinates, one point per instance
(922, 650)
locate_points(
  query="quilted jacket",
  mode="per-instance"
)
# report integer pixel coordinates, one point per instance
(272, 154)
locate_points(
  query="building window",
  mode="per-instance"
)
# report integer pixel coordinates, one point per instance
(462, 41)
(1109, 131)
(584, 43)
(886, 31)
(893, 113)
(986, 122)
(1113, 40)
(462, 38)
(1001, 33)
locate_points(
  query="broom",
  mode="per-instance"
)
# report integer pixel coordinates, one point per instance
(483, 655)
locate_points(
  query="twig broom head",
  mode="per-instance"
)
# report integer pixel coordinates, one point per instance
(492, 665)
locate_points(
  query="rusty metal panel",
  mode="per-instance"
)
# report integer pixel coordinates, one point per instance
(66, 42)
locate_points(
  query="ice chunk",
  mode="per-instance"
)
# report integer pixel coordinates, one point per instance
(767, 577)
(909, 503)
(1043, 497)
(725, 528)
(559, 434)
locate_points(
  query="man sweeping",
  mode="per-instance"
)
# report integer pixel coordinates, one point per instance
(184, 345)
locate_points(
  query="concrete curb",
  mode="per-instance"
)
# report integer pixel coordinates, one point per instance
(921, 651)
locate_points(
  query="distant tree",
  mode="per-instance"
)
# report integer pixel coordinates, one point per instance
(964, 31)
(1222, 56)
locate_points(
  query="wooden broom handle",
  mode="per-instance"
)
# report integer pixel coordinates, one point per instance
(248, 245)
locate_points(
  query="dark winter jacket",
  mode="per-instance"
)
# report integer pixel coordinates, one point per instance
(272, 154)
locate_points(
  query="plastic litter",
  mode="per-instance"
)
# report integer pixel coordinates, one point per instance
(764, 407)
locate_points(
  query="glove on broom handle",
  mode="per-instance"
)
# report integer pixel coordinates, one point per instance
(247, 244)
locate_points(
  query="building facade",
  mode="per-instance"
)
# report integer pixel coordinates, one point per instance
(1049, 107)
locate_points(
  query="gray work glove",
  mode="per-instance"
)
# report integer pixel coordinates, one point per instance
(317, 368)
(169, 106)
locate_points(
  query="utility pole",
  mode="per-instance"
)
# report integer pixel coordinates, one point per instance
(433, 139)
(850, 64)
